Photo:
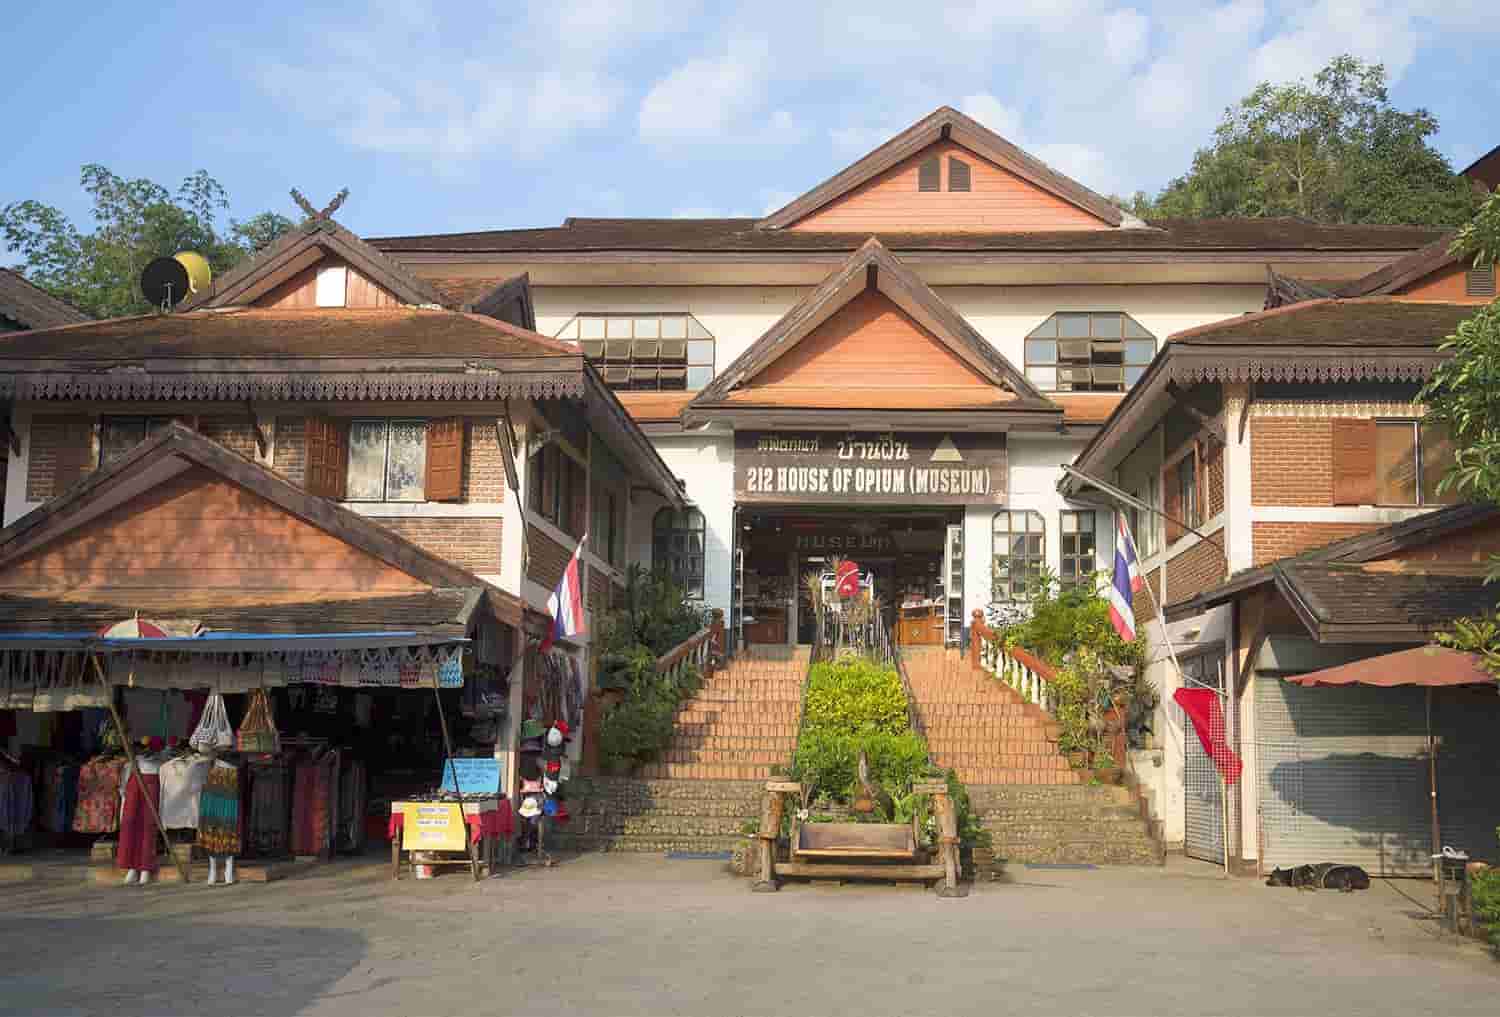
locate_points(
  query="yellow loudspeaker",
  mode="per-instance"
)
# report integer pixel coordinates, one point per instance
(199, 274)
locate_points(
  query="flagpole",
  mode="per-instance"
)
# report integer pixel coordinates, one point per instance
(1182, 682)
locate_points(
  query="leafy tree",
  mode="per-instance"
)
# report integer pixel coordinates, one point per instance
(1333, 151)
(135, 221)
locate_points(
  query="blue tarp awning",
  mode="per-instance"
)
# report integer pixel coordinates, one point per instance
(223, 642)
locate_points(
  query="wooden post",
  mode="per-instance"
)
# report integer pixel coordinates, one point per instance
(715, 641)
(947, 844)
(770, 830)
(135, 770)
(396, 854)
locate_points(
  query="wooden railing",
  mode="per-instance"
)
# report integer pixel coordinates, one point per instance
(1023, 672)
(703, 650)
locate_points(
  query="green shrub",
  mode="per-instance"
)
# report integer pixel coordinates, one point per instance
(854, 696)
(828, 762)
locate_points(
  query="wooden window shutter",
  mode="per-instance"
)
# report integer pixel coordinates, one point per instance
(445, 459)
(929, 173)
(1172, 502)
(327, 457)
(958, 174)
(1353, 462)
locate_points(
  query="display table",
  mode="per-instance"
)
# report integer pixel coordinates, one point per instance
(920, 624)
(435, 826)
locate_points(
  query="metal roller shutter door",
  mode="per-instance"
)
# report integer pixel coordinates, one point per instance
(1342, 776)
(1203, 793)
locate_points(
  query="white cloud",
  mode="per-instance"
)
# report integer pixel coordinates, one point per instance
(710, 96)
(993, 113)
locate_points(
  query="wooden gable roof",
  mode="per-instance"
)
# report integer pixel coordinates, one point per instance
(182, 515)
(300, 249)
(29, 306)
(834, 351)
(947, 125)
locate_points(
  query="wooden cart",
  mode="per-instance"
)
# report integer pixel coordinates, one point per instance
(474, 854)
(891, 851)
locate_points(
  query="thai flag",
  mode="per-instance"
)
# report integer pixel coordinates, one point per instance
(566, 603)
(1126, 583)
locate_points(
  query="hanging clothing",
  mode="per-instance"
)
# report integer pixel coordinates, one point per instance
(181, 783)
(16, 805)
(58, 798)
(270, 813)
(314, 800)
(219, 811)
(353, 795)
(98, 809)
(136, 848)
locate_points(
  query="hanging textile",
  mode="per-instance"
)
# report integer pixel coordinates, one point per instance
(314, 801)
(136, 848)
(219, 811)
(16, 804)
(257, 733)
(98, 809)
(353, 803)
(182, 782)
(58, 796)
(1207, 715)
(270, 808)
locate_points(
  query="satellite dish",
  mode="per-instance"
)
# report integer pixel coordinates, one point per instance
(166, 282)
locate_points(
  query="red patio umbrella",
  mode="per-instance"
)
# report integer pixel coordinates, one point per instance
(1428, 666)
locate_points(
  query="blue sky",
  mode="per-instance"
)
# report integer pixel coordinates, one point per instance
(459, 116)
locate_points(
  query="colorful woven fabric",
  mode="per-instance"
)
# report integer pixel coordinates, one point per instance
(270, 811)
(314, 798)
(219, 811)
(98, 809)
(137, 845)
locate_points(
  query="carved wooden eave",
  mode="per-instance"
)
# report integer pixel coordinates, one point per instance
(1305, 368)
(214, 386)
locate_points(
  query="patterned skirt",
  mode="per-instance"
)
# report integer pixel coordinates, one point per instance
(219, 812)
(137, 845)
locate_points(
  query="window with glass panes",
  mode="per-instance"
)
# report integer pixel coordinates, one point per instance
(1144, 526)
(1088, 351)
(387, 460)
(1410, 459)
(1077, 564)
(677, 548)
(1020, 550)
(646, 352)
(118, 435)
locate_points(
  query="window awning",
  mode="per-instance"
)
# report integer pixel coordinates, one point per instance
(1430, 666)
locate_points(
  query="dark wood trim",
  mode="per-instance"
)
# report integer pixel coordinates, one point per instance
(1211, 426)
(947, 124)
(1403, 271)
(1001, 254)
(774, 418)
(515, 288)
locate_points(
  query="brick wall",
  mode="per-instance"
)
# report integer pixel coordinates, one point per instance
(1201, 567)
(1143, 605)
(471, 543)
(1277, 540)
(1291, 461)
(548, 557)
(598, 595)
(235, 433)
(484, 468)
(1214, 470)
(61, 453)
(291, 449)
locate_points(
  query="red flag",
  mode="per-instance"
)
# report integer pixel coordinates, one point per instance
(846, 579)
(1204, 710)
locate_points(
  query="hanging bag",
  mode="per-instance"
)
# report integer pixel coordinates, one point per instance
(213, 732)
(257, 732)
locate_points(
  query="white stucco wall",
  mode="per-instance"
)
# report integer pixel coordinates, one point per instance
(705, 462)
(739, 315)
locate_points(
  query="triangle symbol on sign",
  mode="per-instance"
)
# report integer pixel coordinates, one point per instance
(946, 452)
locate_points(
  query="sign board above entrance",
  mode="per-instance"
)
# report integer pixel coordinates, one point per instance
(858, 468)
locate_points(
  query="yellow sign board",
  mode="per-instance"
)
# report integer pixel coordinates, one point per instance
(433, 826)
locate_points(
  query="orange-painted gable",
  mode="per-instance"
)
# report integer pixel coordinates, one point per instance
(870, 349)
(1474, 546)
(301, 290)
(997, 201)
(1446, 284)
(198, 531)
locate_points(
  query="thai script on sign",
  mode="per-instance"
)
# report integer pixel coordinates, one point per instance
(886, 447)
(774, 443)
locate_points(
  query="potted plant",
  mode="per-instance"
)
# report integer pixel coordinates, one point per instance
(1106, 769)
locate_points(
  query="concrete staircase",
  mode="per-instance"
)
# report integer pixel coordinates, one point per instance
(711, 777)
(742, 722)
(1036, 808)
(979, 727)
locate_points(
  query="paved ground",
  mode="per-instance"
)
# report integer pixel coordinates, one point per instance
(617, 934)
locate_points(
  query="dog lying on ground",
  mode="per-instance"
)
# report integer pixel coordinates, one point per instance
(1324, 876)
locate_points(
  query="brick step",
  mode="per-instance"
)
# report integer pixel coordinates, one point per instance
(557, 841)
(681, 826)
(986, 797)
(1019, 727)
(732, 741)
(707, 696)
(1059, 814)
(635, 794)
(690, 729)
(997, 775)
(976, 709)
(768, 756)
(1000, 761)
(747, 716)
(706, 771)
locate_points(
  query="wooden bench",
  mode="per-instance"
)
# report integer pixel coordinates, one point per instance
(891, 851)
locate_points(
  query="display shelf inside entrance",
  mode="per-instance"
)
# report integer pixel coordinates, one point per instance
(843, 851)
(464, 822)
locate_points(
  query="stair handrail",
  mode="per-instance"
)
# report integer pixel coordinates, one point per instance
(1026, 673)
(703, 650)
